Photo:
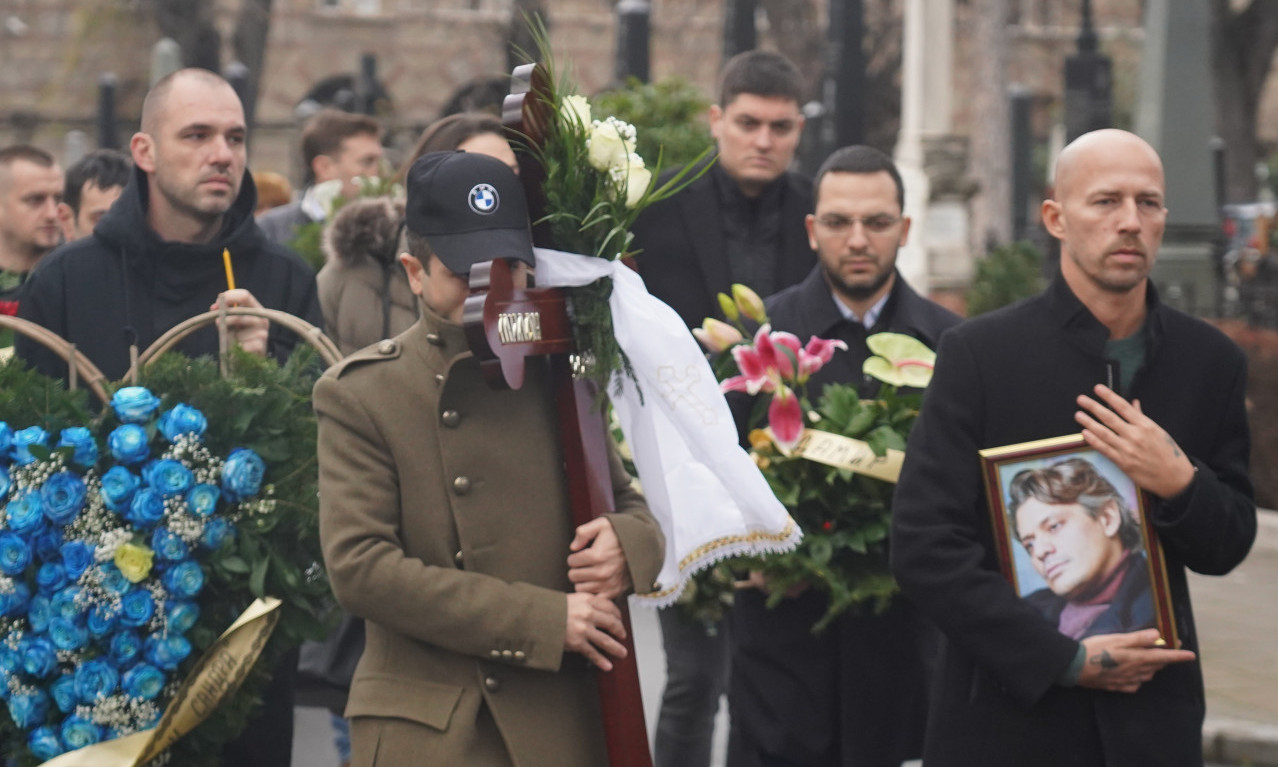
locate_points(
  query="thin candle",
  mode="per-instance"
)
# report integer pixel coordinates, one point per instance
(230, 275)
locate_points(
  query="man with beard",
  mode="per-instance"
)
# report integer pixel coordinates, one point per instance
(155, 259)
(30, 190)
(853, 695)
(1159, 393)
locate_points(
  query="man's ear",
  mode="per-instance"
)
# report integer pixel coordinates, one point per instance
(66, 220)
(323, 168)
(1050, 213)
(716, 120)
(1111, 518)
(417, 274)
(142, 147)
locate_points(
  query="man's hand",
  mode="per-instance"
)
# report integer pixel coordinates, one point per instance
(594, 628)
(598, 565)
(1123, 662)
(1137, 445)
(758, 580)
(250, 333)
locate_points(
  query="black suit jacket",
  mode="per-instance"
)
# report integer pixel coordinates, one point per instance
(685, 262)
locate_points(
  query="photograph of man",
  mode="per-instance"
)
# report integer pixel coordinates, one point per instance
(1084, 540)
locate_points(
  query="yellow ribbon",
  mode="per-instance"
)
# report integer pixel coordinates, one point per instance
(215, 678)
(847, 453)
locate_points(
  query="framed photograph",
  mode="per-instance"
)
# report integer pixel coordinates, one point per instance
(1074, 541)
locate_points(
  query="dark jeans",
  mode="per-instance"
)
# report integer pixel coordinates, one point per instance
(697, 664)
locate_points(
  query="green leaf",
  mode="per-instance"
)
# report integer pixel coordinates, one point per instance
(257, 581)
(234, 564)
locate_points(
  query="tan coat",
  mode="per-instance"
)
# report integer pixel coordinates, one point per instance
(445, 524)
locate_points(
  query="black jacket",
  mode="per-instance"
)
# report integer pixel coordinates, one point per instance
(685, 260)
(124, 281)
(856, 694)
(1013, 376)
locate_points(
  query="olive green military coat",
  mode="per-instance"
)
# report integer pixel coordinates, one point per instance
(445, 524)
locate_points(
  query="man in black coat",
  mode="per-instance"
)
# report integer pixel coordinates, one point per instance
(1159, 393)
(741, 222)
(155, 260)
(854, 695)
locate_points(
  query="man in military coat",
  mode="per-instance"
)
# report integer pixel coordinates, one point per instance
(445, 522)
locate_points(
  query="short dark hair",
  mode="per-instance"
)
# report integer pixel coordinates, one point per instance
(860, 159)
(32, 154)
(104, 168)
(448, 133)
(760, 73)
(156, 98)
(418, 248)
(327, 129)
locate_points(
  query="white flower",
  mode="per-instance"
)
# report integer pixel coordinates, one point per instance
(578, 108)
(326, 194)
(607, 145)
(636, 180)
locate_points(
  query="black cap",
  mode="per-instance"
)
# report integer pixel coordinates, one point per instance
(470, 208)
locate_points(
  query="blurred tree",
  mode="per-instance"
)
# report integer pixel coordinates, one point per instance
(1008, 274)
(668, 115)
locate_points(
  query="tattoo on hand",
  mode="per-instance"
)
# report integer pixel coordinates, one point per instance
(1175, 448)
(1105, 661)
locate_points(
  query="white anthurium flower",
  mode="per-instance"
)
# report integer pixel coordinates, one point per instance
(579, 108)
(902, 360)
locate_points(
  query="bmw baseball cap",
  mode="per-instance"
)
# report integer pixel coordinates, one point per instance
(470, 208)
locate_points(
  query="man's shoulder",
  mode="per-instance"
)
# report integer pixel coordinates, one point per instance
(281, 223)
(367, 361)
(1196, 335)
(70, 258)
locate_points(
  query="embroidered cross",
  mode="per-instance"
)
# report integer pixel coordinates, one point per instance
(677, 388)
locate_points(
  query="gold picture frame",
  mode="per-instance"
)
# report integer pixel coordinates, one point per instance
(1074, 539)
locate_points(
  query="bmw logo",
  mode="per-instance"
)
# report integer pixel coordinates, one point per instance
(483, 199)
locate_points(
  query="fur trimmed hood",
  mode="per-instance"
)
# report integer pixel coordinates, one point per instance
(366, 228)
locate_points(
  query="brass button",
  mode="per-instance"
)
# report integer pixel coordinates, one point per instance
(495, 654)
(434, 340)
(459, 559)
(451, 418)
(386, 347)
(439, 378)
(520, 656)
(492, 683)
(507, 655)
(461, 485)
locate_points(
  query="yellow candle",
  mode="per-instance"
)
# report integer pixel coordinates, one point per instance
(230, 275)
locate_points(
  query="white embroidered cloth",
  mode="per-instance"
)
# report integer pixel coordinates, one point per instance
(704, 490)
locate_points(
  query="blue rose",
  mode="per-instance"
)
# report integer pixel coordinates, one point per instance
(50, 577)
(167, 545)
(136, 608)
(39, 613)
(16, 600)
(134, 404)
(103, 618)
(112, 580)
(76, 558)
(81, 439)
(167, 650)
(181, 616)
(242, 474)
(64, 695)
(216, 532)
(146, 509)
(10, 660)
(169, 477)
(47, 542)
(24, 440)
(184, 580)
(202, 499)
(6, 482)
(118, 485)
(125, 647)
(182, 419)
(6, 442)
(67, 634)
(128, 444)
(78, 732)
(143, 681)
(96, 679)
(26, 512)
(39, 656)
(67, 603)
(63, 496)
(28, 708)
(15, 553)
(44, 743)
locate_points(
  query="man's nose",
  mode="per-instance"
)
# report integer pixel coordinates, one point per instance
(858, 235)
(1129, 216)
(49, 208)
(221, 152)
(763, 138)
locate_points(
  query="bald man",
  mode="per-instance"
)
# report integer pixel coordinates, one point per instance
(1156, 391)
(155, 259)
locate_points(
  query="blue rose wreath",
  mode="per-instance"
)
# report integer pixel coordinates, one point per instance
(130, 539)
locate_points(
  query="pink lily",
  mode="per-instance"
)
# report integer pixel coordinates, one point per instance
(816, 355)
(717, 336)
(766, 364)
(785, 417)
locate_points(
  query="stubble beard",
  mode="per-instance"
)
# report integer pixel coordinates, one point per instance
(188, 204)
(859, 292)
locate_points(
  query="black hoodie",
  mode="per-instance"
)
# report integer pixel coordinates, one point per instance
(124, 281)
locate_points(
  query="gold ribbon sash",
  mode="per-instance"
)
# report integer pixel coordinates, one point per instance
(849, 454)
(215, 678)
